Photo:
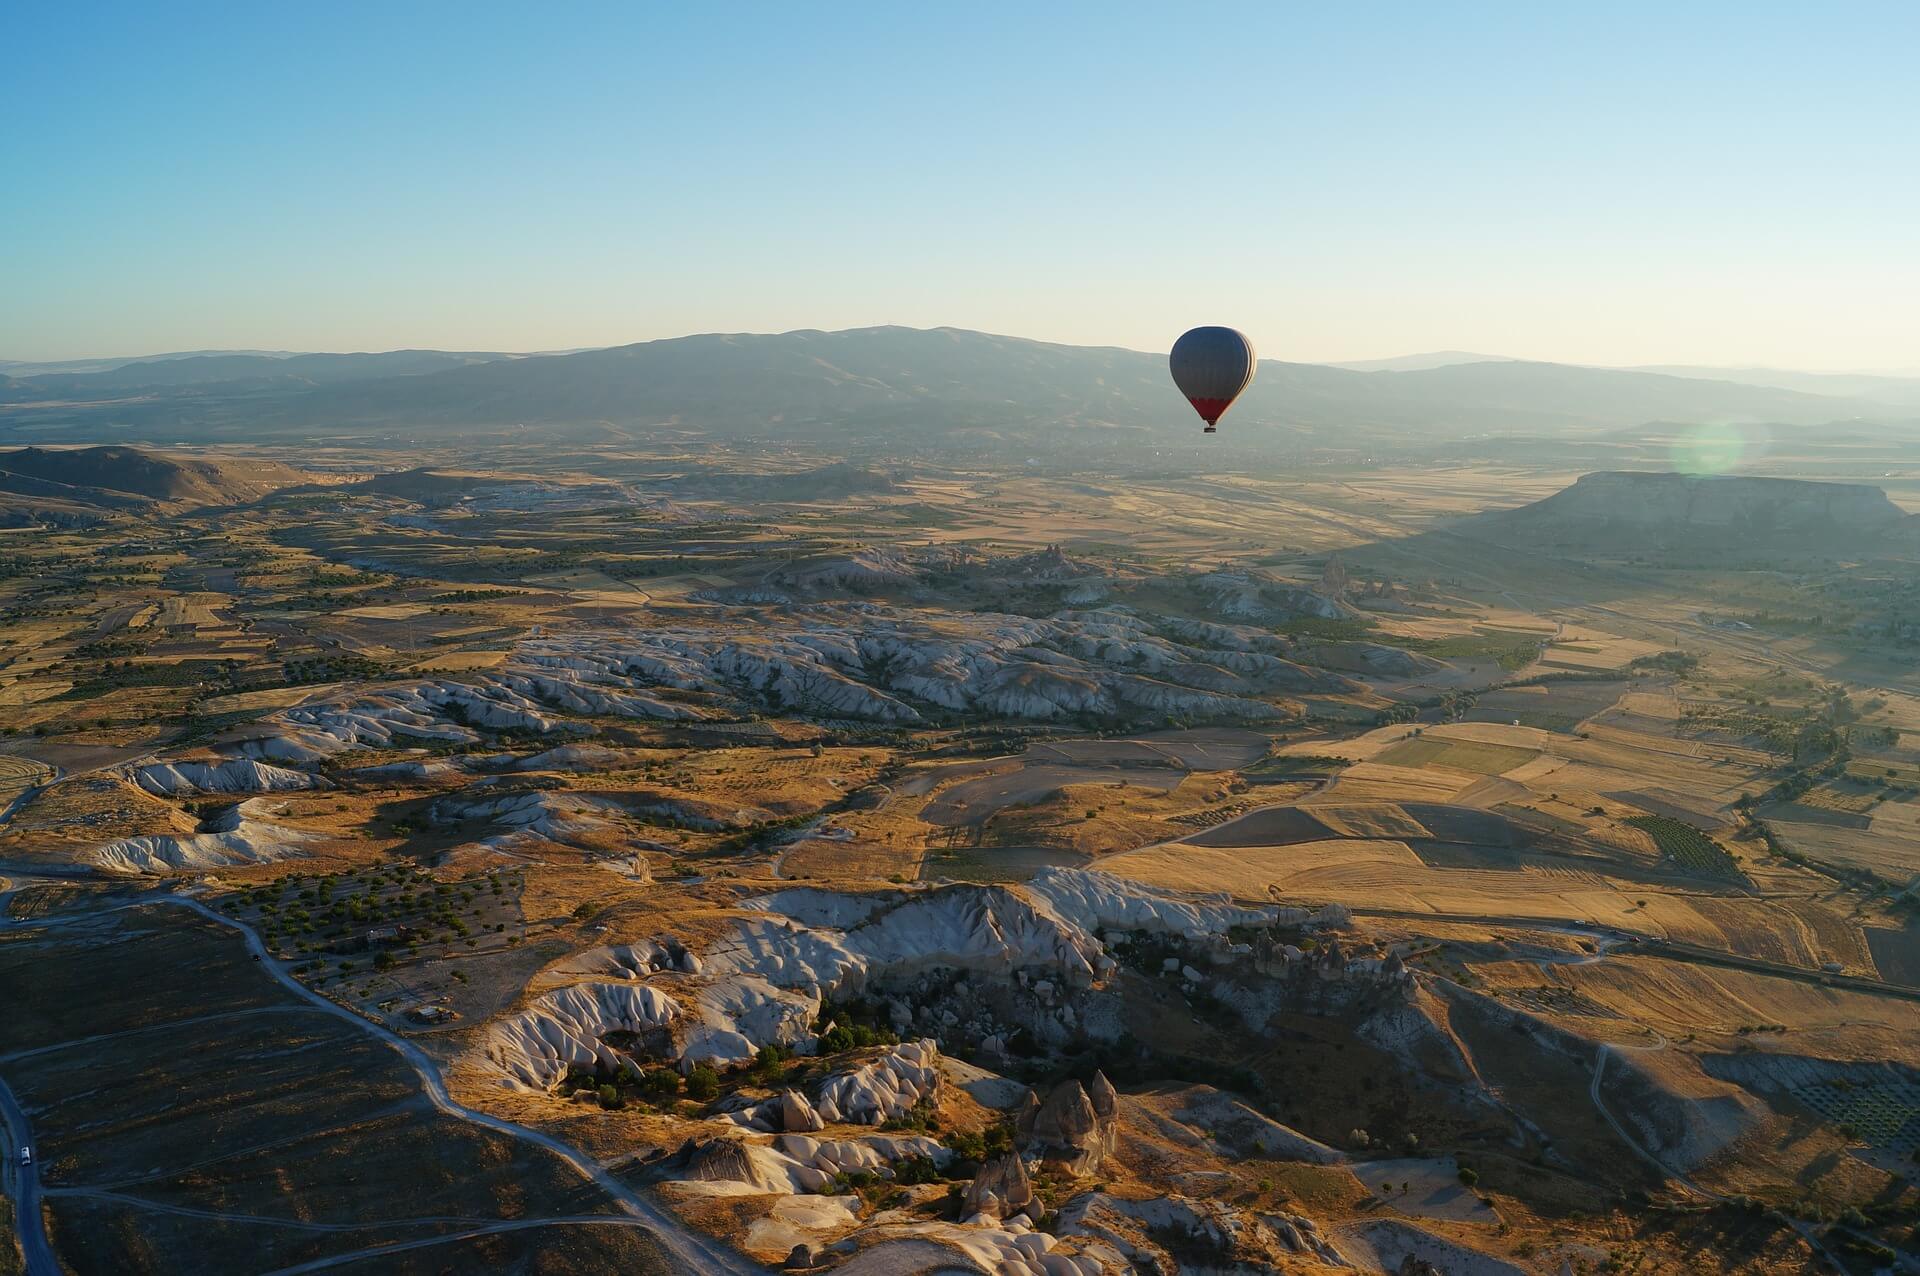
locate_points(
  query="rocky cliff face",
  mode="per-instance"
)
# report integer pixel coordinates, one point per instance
(1620, 510)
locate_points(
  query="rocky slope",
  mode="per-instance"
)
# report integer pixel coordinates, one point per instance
(241, 834)
(868, 662)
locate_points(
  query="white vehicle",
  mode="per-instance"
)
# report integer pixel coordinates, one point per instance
(26, 1157)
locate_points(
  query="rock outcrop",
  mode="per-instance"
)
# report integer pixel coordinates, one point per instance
(868, 662)
(797, 1115)
(797, 1163)
(394, 715)
(1235, 1240)
(883, 1088)
(1000, 1190)
(1074, 1131)
(565, 1029)
(241, 834)
(831, 941)
(232, 775)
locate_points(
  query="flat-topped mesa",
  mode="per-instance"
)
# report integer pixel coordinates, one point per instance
(1615, 511)
(1725, 500)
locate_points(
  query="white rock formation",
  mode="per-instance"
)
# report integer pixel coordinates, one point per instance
(412, 770)
(392, 716)
(234, 775)
(1096, 901)
(574, 757)
(239, 835)
(629, 961)
(882, 1088)
(992, 928)
(795, 1163)
(558, 817)
(1010, 1249)
(737, 1014)
(863, 661)
(563, 1029)
(765, 980)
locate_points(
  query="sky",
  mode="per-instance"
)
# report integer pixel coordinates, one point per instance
(1727, 183)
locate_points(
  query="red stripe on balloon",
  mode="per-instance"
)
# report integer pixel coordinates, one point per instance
(1211, 410)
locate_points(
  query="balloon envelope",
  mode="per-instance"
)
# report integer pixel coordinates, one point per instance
(1212, 366)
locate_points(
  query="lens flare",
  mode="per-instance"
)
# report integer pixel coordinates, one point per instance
(1717, 448)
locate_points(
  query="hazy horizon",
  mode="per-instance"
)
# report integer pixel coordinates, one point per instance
(7, 358)
(1719, 187)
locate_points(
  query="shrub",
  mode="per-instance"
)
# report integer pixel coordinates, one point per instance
(703, 1083)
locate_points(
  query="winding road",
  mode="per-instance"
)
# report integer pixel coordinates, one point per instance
(22, 1183)
(688, 1249)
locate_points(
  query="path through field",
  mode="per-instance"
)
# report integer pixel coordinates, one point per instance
(689, 1250)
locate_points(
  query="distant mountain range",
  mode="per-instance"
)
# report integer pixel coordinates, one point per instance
(1420, 362)
(940, 387)
(1883, 387)
(1861, 385)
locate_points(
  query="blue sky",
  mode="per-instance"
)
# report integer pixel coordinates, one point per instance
(1707, 182)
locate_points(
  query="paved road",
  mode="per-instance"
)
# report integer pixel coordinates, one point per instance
(23, 1185)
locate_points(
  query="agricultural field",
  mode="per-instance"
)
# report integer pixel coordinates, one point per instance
(1479, 757)
(1688, 847)
(18, 775)
(168, 1169)
(1885, 1116)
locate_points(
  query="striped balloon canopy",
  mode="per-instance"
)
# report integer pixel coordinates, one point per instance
(1212, 366)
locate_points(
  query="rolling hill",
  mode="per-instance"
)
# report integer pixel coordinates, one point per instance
(125, 478)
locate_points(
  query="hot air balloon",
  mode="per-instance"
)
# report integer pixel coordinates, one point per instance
(1212, 366)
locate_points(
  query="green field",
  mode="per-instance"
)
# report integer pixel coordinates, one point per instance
(1688, 847)
(1460, 755)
